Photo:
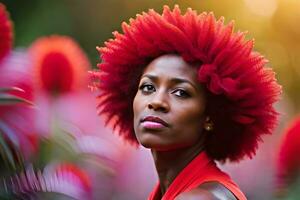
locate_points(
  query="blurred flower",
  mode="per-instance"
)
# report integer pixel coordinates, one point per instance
(17, 120)
(6, 35)
(64, 178)
(71, 121)
(288, 163)
(59, 64)
(75, 114)
(103, 154)
(71, 174)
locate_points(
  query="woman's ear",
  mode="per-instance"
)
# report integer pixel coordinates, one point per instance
(208, 124)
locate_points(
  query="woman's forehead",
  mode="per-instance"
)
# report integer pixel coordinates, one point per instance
(172, 66)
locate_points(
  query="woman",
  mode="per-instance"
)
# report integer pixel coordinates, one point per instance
(192, 91)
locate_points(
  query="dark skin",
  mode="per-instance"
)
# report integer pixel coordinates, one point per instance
(169, 92)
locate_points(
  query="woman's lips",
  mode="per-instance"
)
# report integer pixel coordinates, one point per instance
(152, 122)
(152, 125)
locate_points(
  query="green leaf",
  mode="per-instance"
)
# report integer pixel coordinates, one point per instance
(7, 154)
(11, 89)
(8, 99)
(10, 134)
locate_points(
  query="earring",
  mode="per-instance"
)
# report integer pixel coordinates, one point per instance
(208, 125)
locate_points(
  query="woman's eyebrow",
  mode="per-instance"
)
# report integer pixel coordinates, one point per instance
(182, 80)
(150, 76)
(174, 80)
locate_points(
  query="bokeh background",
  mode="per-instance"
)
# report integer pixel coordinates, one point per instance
(119, 171)
(273, 23)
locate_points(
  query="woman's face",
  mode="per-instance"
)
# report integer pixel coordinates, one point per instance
(169, 105)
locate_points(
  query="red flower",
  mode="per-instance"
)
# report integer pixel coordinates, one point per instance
(288, 163)
(6, 33)
(77, 172)
(17, 120)
(60, 65)
(68, 179)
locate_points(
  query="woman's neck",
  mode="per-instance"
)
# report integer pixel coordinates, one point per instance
(170, 163)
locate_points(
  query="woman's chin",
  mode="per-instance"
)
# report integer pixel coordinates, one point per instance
(162, 145)
(152, 142)
(149, 141)
(157, 144)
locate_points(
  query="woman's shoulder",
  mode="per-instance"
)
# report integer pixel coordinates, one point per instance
(208, 191)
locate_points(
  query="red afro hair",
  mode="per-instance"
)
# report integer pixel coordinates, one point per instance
(241, 90)
(288, 162)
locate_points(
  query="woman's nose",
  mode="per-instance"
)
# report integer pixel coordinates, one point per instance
(159, 103)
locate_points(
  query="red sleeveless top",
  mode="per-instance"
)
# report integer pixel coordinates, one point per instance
(200, 170)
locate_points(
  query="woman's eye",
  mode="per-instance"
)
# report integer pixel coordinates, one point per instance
(181, 93)
(147, 88)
